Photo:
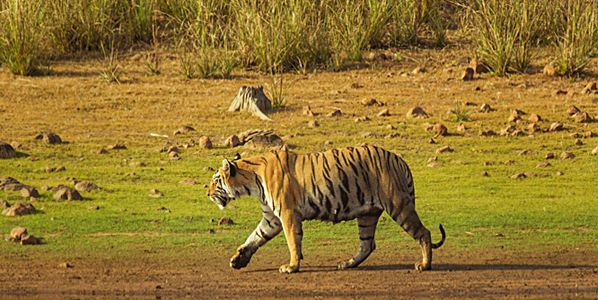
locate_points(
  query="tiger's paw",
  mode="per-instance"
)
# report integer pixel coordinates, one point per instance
(241, 258)
(420, 266)
(346, 264)
(288, 269)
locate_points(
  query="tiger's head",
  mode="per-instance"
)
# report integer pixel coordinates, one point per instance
(225, 182)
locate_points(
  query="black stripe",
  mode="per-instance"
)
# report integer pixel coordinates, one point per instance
(249, 162)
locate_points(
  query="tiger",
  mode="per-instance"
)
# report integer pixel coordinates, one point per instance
(335, 185)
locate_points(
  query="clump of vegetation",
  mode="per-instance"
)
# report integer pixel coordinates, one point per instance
(459, 114)
(111, 71)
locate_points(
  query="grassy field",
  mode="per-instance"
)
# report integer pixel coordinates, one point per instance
(539, 212)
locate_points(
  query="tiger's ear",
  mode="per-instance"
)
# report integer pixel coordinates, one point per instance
(237, 156)
(228, 168)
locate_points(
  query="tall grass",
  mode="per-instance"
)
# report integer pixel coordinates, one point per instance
(21, 35)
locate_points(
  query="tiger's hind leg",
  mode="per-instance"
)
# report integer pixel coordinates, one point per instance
(367, 229)
(408, 219)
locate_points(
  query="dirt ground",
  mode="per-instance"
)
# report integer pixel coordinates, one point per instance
(456, 274)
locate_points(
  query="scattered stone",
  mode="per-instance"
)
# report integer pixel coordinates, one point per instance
(559, 92)
(161, 208)
(4, 204)
(65, 265)
(157, 195)
(183, 129)
(527, 152)
(488, 163)
(578, 142)
(19, 209)
(67, 193)
(232, 141)
(312, 124)
(431, 159)
(467, 75)
(173, 149)
(440, 129)
(486, 108)
(28, 192)
(556, 126)
(190, 143)
(173, 155)
(444, 149)
(210, 169)
(571, 111)
(362, 119)
(50, 138)
(417, 113)
(559, 173)
(7, 151)
(335, 113)
(101, 151)
(485, 174)
(225, 221)
(513, 118)
(307, 111)
(130, 174)
(460, 162)
(595, 151)
(510, 162)
(60, 169)
(30, 240)
(50, 169)
(85, 186)
(15, 145)
(435, 165)
(117, 147)
(17, 233)
(487, 133)
(575, 135)
(94, 207)
(530, 174)
(534, 118)
(155, 191)
(384, 113)
(367, 134)
(461, 127)
(33, 158)
(371, 101)
(590, 134)
(327, 143)
(390, 127)
(137, 164)
(567, 155)
(432, 141)
(205, 143)
(418, 70)
(583, 117)
(188, 182)
(544, 165)
(478, 66)
(549, 155)
(549, 70)
(392, 136)
(519, 176)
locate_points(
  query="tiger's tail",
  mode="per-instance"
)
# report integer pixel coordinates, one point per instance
(437, 245)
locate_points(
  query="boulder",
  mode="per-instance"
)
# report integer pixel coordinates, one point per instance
(19, 209)
(205, 143)
(28, 192)
(440, 129)
(384, 113)
(85, 186)
(417, 113)
(467, 74)
(573, 110)
(486, 108)
(51, 138)
(534, 118)
(117, 147)
(232, 141)
(7, 151)
(183, 129)
(307, 111)
(549, 70)
(567, 155)
(225, 221)
(17, 233)
(444, 149)
(67, 193)
(30, 240)
(335, 113)
(263, 142)
(556, 126)
(583, 117)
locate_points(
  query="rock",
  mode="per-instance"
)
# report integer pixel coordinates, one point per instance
(595, 151)
(517, 132)
(549, 155)
(513, 118)
(67, 193)
(94, 207)
(60, 169)
(444, 149)
(232, 141)
(460, 162)
(367, 134)
(543, 165)
(590, 134)
(487, 133)
(559, 173)
(533, 127)
(156, 195)
(549, 70)
(101, 151)
(50, 169)
(137, 164)
(15, 145)
(478, 66)
(33, 158)
(488, 163)
(4, 204)
(85, 186)
(30, 240)
(418, 70)
(328, 143)
(173, 149)
(390, 127)
(65, 265)
(19, 209)
(440, 129)
(527, 152)
(17, 233)
(485, 174)
(312, 124)
(225, 221)
(534, 118)
(461, 127)
(417, 113)
(371, 101)
(307, 111)
(591, 86)
(155, 191)
(28, 192)
(7, 151)
(567, 155)
(263, 142)
(392, 136)
(190, 143)
(183, 129)
(467, 74)
(519, 176)
(510, 162)
(432, 141)
(205, 143)
(486, 108)
(362, 119)
(435, 165)
(117, 147)
(173, 155)
(557, 126)
(384, 113)
(583, 117)
(210, 169)
(130, 174)
(188, 182)
(50, 138)
(335, 113)
(578, 142)
(571, 111)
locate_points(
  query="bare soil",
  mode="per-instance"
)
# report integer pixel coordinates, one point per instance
(456, 274)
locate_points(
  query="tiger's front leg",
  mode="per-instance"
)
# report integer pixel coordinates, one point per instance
(269, 227)
(293, 231)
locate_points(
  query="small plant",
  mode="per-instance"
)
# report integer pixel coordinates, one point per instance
(21, 35)
(460, 115)
(152, 64)
(277, 91)
(187, 65)
(111, 70)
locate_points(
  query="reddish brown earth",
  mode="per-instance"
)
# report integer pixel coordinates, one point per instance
(456, 274)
